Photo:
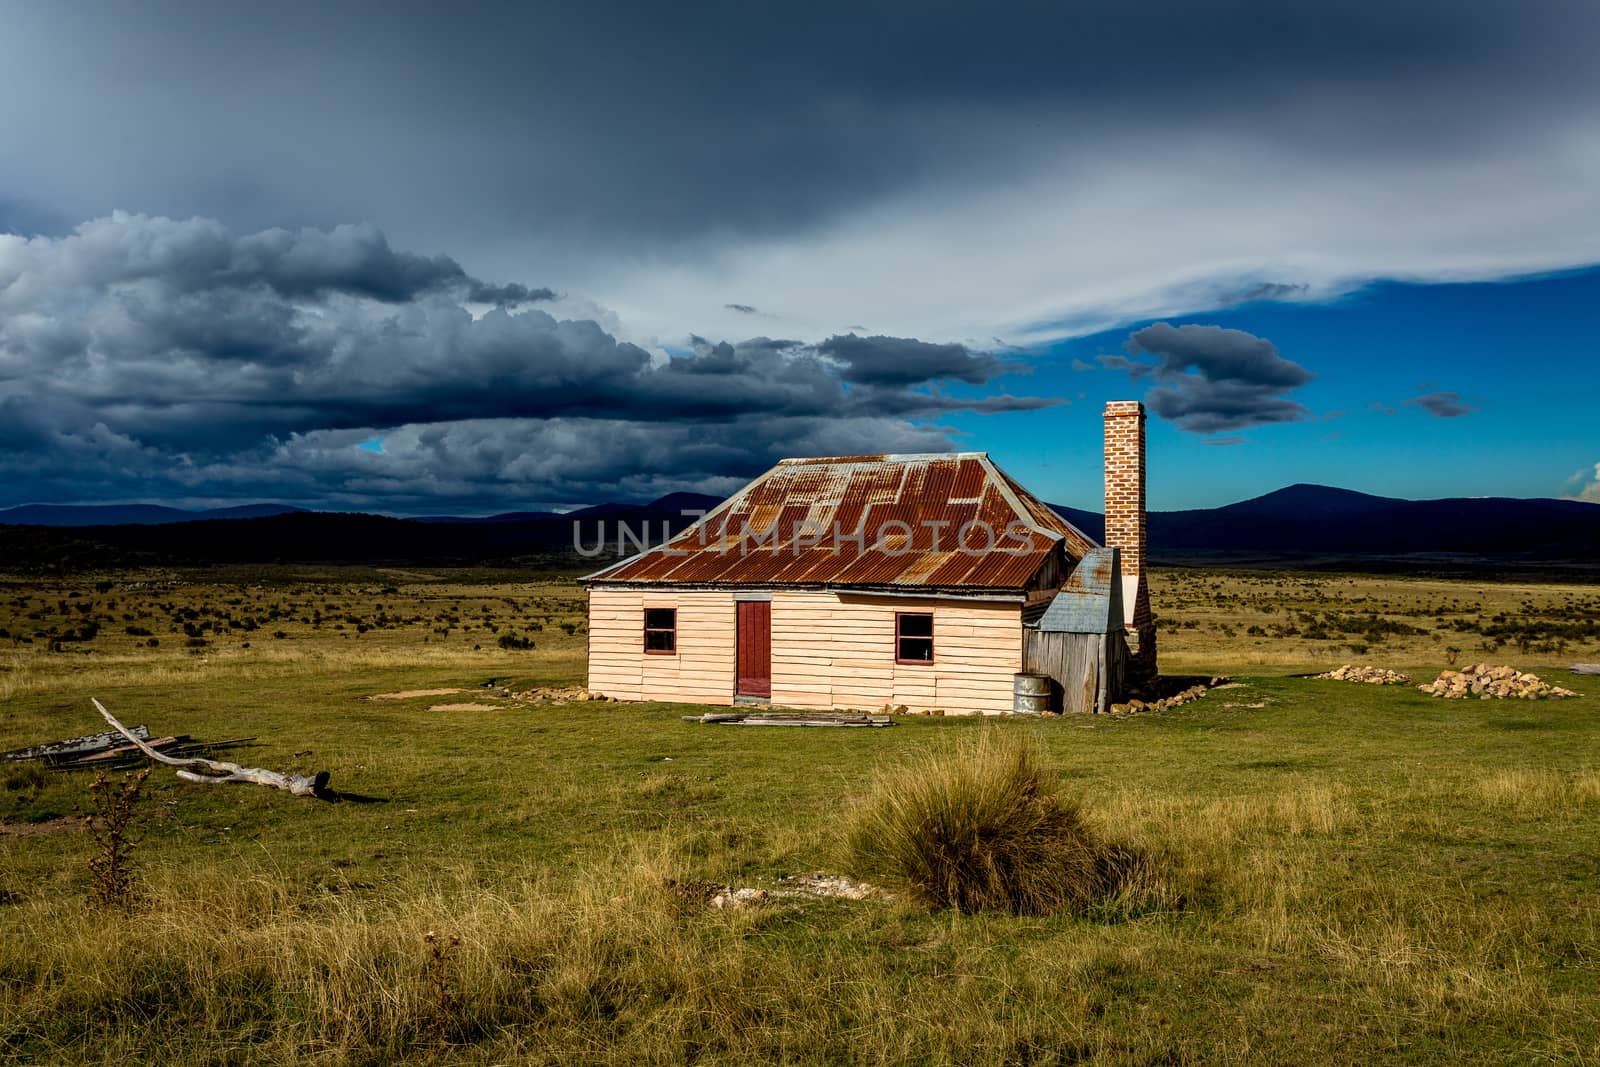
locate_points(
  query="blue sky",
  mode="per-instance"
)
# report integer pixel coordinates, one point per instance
(477, 258)
(1523, 355)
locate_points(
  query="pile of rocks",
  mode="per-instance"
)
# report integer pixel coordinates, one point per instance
(1194, 692)
(1370, 675)
(565, 695)
(1483, 681)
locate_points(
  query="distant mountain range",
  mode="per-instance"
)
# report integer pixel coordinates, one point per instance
(130, 514)
(1301, 524)
(1303, 520)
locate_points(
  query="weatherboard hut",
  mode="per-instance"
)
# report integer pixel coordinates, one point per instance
(933, 582)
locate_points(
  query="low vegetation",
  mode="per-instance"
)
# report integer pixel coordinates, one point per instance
(981, 827)
(1295, 870)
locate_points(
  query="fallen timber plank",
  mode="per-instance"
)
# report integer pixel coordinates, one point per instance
(72, 746)
(160, 744)
(1586, 668)
(787, 718)
(181, 745)
(811, 722)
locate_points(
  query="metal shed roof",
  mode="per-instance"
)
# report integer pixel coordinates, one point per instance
(877, 521)
(1090, 601)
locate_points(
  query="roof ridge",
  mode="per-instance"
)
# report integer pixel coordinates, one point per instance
(886, 457)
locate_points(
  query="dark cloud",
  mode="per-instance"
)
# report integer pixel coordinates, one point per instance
(1444, 403)
(1226, 442)
(461, 466)
(1208, 379)
(148, 357)
(200, 256)
(743, 309)
(905, 361)
(481, 117)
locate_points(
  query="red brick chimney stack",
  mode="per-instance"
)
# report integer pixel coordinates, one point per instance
(1125, 525)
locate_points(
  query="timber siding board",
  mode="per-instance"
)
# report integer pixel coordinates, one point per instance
(700, 670)
(829, 650)
(977, 647)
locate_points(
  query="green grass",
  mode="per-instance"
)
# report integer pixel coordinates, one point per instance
(1349, 873)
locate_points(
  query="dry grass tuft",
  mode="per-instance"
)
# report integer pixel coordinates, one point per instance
(981, 827)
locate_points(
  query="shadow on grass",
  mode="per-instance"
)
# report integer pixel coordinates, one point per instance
(334, 796)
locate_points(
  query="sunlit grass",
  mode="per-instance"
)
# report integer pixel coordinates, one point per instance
(1336, 873)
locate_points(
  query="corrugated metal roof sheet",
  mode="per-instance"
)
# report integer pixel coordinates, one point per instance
(894, 520)
(1090, 602)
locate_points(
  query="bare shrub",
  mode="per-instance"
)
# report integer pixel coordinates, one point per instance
(441, 973)
(981, 827)
(111, 865)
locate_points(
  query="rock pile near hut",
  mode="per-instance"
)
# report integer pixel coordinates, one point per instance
(1486, 682)
(1183, 696)
(1370, 675)
(560, 695)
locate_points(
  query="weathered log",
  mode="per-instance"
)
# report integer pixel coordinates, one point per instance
(1586, 668)
(299, 785)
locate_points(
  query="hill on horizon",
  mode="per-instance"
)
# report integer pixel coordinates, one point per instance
(131, 514)
(1293, 525)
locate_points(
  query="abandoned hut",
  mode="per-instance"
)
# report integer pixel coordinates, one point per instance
(931, 581)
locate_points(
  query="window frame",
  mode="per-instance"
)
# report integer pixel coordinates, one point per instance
(647, 630)
(928, 637)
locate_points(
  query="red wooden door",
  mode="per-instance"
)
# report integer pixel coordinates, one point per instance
(755, 648)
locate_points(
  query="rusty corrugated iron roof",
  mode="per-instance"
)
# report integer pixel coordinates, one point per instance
(894, 520)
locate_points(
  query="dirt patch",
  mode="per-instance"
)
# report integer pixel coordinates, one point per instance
(407, 694)
(466, 707)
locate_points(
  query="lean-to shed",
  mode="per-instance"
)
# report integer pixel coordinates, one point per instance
(863, 581)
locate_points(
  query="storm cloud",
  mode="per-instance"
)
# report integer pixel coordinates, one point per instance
(931, 170)
(1207, 379)
(142, 356)
(906, 361)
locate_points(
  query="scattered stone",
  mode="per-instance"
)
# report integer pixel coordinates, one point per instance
(558, 695)
(1172, 700)
(792, 887)
(1492, 683)
(1369, 675)
(729, 897)
(826, 885)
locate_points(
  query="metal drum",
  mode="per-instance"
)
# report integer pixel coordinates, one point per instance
(1030, 694)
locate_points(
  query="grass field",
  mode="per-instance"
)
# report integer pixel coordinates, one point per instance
(1339, 873)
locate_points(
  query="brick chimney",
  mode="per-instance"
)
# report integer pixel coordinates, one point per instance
(1125, 527)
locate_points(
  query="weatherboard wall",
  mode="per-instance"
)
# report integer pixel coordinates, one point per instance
(833, 649)
(699, 672)
(829, 650)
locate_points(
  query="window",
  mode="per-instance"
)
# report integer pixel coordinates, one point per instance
(661, 631)
(913, 638)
